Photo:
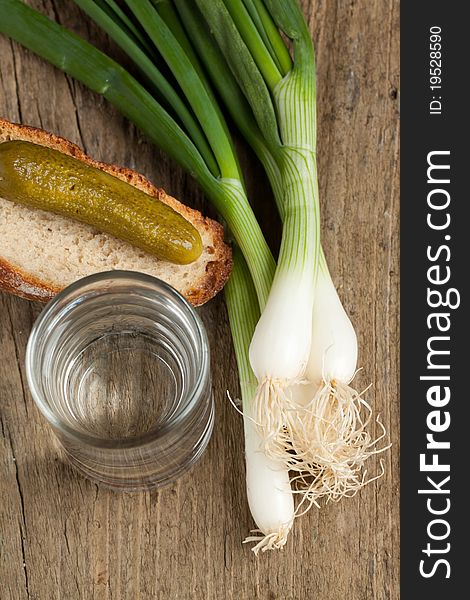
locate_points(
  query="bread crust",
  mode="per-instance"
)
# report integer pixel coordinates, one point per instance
(217, 270)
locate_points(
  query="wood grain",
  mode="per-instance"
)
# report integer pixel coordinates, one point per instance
(62, 537)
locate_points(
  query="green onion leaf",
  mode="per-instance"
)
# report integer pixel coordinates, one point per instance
(221, 76)
(270, 34)
(201, 100)
(254, 41)
(115, 11)
(243, 67)
(157, 82)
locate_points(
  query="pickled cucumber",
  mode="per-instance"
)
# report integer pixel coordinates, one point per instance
(39, 177)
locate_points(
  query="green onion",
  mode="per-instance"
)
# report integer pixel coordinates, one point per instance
(281, 343)
(319, 426)
(300, 412)
(267, 480)
(334, 463)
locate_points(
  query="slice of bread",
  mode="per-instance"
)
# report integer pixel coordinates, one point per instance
(41, 253)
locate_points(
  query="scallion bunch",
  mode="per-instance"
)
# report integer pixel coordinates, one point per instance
(296, 348)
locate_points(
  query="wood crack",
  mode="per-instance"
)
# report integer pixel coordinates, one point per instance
(66, 537)
(55, 13)
(76, 112)
(18, 360)
(17, 86)
(22, 519)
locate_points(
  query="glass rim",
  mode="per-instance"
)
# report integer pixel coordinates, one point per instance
(67, 295)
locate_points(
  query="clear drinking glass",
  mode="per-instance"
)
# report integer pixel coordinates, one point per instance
(118, 363)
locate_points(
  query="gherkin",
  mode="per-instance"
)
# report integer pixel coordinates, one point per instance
(43, 178)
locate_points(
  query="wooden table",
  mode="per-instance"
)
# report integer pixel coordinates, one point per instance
(62, 537)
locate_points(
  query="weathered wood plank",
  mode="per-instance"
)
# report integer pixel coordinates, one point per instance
(63, 537)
